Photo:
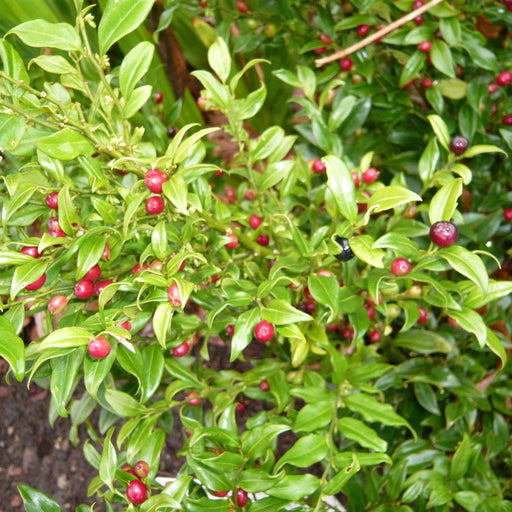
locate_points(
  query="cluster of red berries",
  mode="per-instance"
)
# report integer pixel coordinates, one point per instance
(154, 179)
(136, 490)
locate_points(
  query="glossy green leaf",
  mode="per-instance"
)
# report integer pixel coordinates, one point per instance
(496, 346)
(391, 197)
(294, 487)
(471, 321)
(12, 129)
(37, 501)
(308, 450)
(121, 17)
(26, 274)
(452, 88)
(67, 212)
(219, 58)
(496, 290)
(54, 64)
(423, 342)
(159, 502)
(162, 322)
(338, 481)
(444, 202)
(466, 263)
(279, 312)
(68, 337)
(460, 461)
(275, 172)
(428, 161)
(137, 100)
(400, 244)
(357, 431)
(132, 205)
(108, 461)
(480, 149)
(96, 370)
(207, 504)
(12, 349)
(13, 66)
(441, 57)
(325, 290)
(441, 130)
(65, 375)
(314, 416)
(175, 190)
(412, 67)
(258, 480)
(341, 185)
(256, 441)
(153, 361)
(345, 459)
(66, 145)
(134, 66)
(362, 246)
(426, 397)
(214, 90)
(123, 404)
(42, 34)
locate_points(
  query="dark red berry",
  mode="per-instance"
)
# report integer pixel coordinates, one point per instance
(459, 144)
(374, 336)
(444, 233)
(154, 179)
(423, 315)
(325, 38)
(400, 267)
(264, 331)
(318, 166)
(155, 205)
(362, 30)
(193, 398)
(234, 241)
(136, 492)
(52, 200)
(30, 250)
(36, 284)
(93, 274)
(492, 88)
(417, 4)
(241, 407)
(241, 497)
(99, 347)
(347, 333)
(84, 289)
(141, 468)
(427, 83)
(106, 253)
(419, 20)
(126, 325)
(220, 494)
(174, 294)
(370, 175)
(230, 194)
(425, 46)
(230, 329)
(507, 120)
(159, 97)
(57, 304)
(181, 350)
(264, 386)
(242, 6)
(504, 78)
(255, 221)
(101, 285)
(137, 268)
(263, 240)
(507, 214)
(346, 64)
(321, 50)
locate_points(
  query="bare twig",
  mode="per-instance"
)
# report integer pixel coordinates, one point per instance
(377, 35)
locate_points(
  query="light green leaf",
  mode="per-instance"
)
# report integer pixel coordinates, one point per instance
(12, 349)
(341, 184)
(175, 190)
(441, 130)
(444, 202)
(66, 145)
(134, 66)
(243, 331)
(42, 34)
(391, 197)
(219, 58)
(294, 487)
(362, 246)
(68, 337)
(308, 450)
(481, 149)
(137, 100)
(54, 64)
(108, 461)
(423, 342)
(279, 312)
(357, 431)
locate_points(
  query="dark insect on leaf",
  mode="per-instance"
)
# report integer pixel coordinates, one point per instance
(346, 252)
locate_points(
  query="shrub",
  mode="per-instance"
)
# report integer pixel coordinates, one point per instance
(390, 385)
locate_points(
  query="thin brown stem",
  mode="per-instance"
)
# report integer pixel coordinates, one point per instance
(377, 35)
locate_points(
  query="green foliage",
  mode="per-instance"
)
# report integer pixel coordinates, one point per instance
(391, 389)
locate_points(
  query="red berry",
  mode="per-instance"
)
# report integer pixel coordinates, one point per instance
(325, 38)
(57, 304)
(400, 267)
(264, 386)
(320, 50)
(155, 205)
(419, 20)
(101, 285)
(136, 492)
(374, 336)
(362, 30)
(255, 221)
(53, 224)
(318, 166)
(159, 97)
(507, 214)
(370, 175)
(141, 468)
(36, 284)
(106, 253)
(193, 398)
(181, 350)
(241, 407)
(507, 120)
(84, 289)
(492, 88)
(93, 274)
(52, 200)
(347, 333)
(137, 268)
(425, 46)
(154, 179)
(324, 272)
(202, 103)
(459, 144)
(417, 4)
(203, 4)
(174, 294)
(444, 233)
(241, 497)
(220, 494)
(233, 243)
(99, 347)
(371, 311)
(504, 78)
(30, 250)
(263, 240)
(242, 6)
(127, 326)
(423, 315)
(230, 329)
(264, 331)
(215, 278)
(427, 83)
(346, 64)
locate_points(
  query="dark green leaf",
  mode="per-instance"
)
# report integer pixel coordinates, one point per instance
(37, 501)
